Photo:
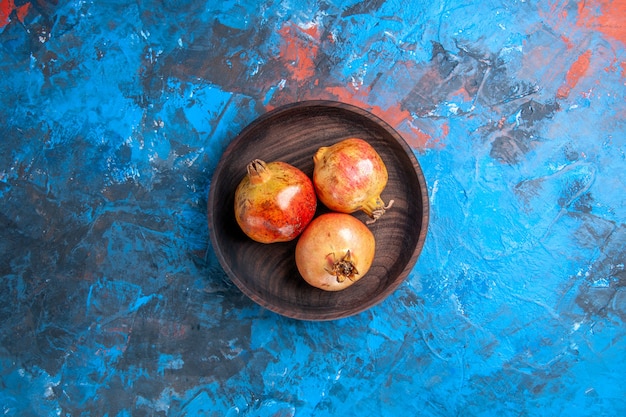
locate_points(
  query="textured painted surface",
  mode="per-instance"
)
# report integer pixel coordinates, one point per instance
(114, 114)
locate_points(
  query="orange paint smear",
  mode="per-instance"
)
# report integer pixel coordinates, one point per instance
(577, 70)
(420, 140)
(567, 42)
(394, 115)
(445, 129)
(299, 50)
(610, 20)
(7, 7)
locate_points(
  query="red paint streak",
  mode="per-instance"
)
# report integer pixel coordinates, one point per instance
(7, 7)
(554, 14)
(172, 330)
(605, 16)
(614, 66)
(312, 31)
(303, 68)
(420, 140)
(623, 65)
(577, 70)
(394, 115)
(463, 94)
(22, 11)
(567, 42)
(445, 129)
(299, 50)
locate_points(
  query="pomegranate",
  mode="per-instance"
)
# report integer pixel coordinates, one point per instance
(274, 202)
(335, 251)
(349, 176)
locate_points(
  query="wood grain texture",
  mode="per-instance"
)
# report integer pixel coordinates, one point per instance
(267, 272)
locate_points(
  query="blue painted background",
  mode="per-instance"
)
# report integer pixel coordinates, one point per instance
(113, 116)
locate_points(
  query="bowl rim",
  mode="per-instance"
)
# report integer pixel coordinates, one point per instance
(423, 190)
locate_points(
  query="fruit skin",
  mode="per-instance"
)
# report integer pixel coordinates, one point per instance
(335, 251)
(349, 176)
(274, 202)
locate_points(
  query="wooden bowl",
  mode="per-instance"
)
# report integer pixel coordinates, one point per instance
(267, 273)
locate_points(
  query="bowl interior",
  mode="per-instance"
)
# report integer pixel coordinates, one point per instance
(267, 273)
